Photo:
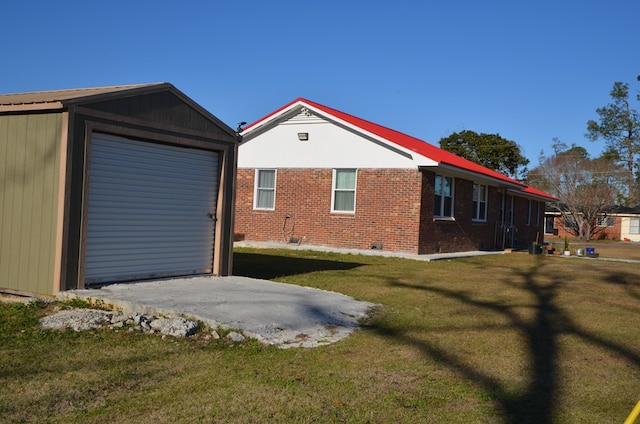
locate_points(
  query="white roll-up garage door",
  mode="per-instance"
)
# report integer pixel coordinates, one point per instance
(150, 210)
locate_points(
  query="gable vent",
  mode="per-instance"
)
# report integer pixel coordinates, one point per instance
(305, 116)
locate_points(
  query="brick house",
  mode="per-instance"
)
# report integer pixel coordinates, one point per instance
(621, 224)
(313, 175)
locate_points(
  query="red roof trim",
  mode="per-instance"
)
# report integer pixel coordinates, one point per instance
(406, 141)
(536, 192)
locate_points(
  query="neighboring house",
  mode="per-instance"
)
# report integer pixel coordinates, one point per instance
(112, 184)
(630, 226)
(621, 224)
(313, 175)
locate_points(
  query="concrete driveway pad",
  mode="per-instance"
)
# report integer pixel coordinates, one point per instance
(280, 314)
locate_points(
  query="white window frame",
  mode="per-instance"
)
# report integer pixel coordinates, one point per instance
(335, 190)
(439, 214)
(258, 190)
(634, 225)
(477, 189)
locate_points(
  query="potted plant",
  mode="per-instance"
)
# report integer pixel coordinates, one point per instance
(565, 250)
(535, 248)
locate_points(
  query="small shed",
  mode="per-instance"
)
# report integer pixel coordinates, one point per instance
(112, 184)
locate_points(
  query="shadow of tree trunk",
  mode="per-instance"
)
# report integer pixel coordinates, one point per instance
(537, 402)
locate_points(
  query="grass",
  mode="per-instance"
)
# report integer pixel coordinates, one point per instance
(513, 338)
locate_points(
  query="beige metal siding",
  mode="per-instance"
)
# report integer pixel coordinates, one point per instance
(29, 176)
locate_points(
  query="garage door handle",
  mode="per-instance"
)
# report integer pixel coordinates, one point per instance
(212, 216)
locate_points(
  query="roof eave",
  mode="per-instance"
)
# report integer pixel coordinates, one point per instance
(533, 195)
(28, 107)
(481, 177)
(423, 161)
(264, 123)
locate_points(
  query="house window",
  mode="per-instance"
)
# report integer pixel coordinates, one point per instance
(443, 202)
(606, 221)
(529, 202)
(479, 202)
(538, 204)
(549, 224)
(506, 210)
(265, 194)
(570, 223)
(634, 226)
(344, 190)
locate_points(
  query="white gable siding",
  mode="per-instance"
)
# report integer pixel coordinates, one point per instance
(329, 146)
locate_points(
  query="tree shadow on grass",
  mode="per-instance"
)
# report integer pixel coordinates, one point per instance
(626, 280)
(268, 267)
(537, 402)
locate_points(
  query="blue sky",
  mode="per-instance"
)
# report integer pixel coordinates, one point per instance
(528, 70)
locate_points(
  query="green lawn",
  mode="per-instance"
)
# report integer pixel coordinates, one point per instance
(512, 338)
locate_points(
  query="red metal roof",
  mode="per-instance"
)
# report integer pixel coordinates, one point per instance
(540, 193)
(408, 142)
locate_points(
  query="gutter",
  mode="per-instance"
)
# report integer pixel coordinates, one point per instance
(475, 176)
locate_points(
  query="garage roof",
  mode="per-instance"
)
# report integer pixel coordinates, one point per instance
(57, 99)
(61, 99)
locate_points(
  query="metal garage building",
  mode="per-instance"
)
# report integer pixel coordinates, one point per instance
(112, 184)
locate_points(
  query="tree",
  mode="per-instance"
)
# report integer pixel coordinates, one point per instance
(586, 188)
(488, 150)
(560, 148)
(619, 126)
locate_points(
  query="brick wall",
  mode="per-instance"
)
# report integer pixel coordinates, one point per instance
(460, 234)
(463, 233)
(387, 210)
(394, 208)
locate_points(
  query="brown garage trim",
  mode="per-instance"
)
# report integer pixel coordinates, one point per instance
(153, 137)
(62, 186)
(107, 116)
